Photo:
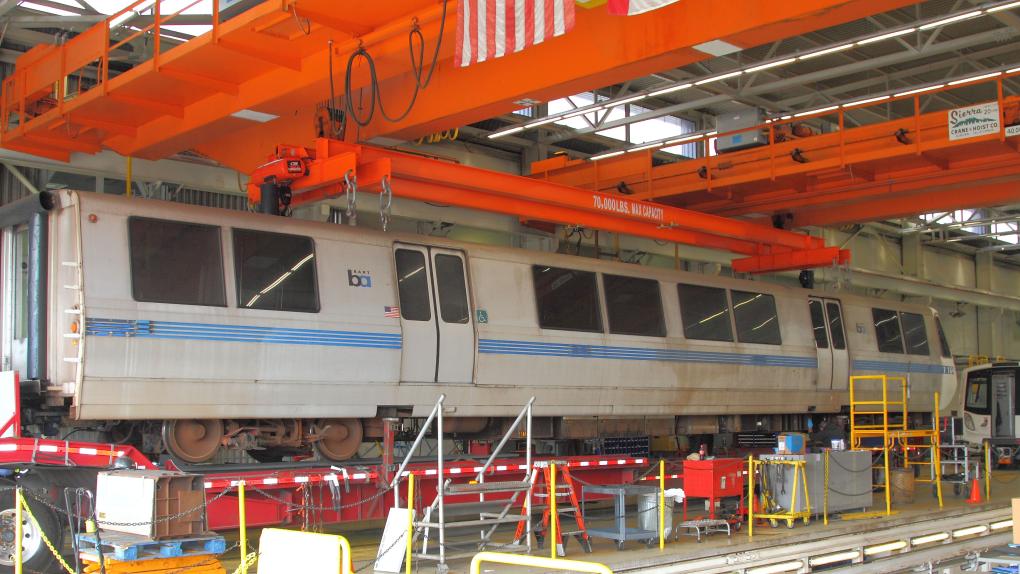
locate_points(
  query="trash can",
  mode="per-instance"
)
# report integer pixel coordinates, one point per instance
(902, 485)
(648, 513)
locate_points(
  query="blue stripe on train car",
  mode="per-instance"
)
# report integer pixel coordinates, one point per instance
(534, 348)
(901, 367)
(145, 329)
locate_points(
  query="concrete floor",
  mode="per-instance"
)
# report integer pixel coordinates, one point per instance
(364, 539)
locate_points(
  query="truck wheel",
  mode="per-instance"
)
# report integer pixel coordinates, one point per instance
(35, 555)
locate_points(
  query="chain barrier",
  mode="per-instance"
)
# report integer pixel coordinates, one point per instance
(45, 539)
(336, 507)
(351, 192)
(385, 202)
(168, 518)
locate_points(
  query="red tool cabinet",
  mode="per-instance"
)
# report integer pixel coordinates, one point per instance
(714, 479)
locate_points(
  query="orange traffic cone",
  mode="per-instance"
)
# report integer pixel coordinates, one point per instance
(975, 493)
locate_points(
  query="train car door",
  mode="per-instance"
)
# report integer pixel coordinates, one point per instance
(830, 343)
(823, 347)
(435, 316)
(1003, 403)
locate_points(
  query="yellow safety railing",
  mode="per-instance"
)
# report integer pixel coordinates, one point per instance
(557, 564)
(799, 484)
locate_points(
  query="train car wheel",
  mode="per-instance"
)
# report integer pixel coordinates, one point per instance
(36, 557)
(341, 438)
(193, 440)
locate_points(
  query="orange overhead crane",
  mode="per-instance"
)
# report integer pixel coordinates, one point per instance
(275, 58)
(296, 175)
(864, 173)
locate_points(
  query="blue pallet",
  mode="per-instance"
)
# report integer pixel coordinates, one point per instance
(130, 547)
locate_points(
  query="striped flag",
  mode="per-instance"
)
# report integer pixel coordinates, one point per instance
(391, 312)
(488, 29)
(633, 7)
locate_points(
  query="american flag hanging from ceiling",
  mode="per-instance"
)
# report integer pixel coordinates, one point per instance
(488, 29)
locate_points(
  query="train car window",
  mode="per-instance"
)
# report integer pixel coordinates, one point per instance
(175, 262)
(836, 325)
(946, 353)
(756, 318)
(413, 285)
(914, 333)
(634, 306)
(818, 323)
(453, 300)
(567, 299)
(977, 394)
(705, 313)
(275, 272)
(887, 331)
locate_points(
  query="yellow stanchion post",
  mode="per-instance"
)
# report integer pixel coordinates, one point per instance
(825, 500)
(988, 472)
(662, 504)
(410, 523)
(553, 518)
(937, 450)
(750, 496)
(242, 524)
(19, 533)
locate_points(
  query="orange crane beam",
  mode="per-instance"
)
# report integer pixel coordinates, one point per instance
(875, 171)
(275, 58)
(304, 175)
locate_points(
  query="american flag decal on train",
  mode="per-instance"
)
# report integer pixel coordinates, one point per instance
(391, 312)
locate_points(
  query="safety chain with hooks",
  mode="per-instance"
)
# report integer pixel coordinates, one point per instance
(385, 202)
(168, 518)
(351, 193)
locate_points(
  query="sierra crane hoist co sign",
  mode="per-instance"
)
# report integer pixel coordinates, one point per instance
(974, 121)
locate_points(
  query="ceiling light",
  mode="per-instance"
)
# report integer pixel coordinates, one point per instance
(937, 537)
(1013, 70)
(605, 155)
(670, 90)
(253, 116)
(826, 51)
(777, 568)
(684, 139)
(581, 112)
(785, 117)
(886, 36)
(970, 530)
(629, 100)
(835, 557)
(919, 90)
(47, 9)
(887, 547)
(710, 134)
(818, 111)
(500, 134)
(1003, 7)
(866, 101)
(543, 121)
(770, 65)
(129, 14)
(644, 147)
(717, 78)
(717, 48)
(950, 20)
(974, 78)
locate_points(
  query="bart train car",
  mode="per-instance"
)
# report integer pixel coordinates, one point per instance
(191, 329)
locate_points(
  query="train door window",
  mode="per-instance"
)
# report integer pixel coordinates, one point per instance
(756, 318)
(452, 289)
(914, 333)
(275, 272)
(634, 306)
(887, 331)
(836, 325)
(175, 262)
(567, 299)
(977, 394)
(413, 285)
(705, 313)
(944, 344)
(818, 323)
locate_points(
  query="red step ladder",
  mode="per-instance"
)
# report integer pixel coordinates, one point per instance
(566, 504)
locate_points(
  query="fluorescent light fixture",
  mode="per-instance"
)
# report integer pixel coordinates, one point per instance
(866, 101)
(826, 51)
(137, 10)
(717, 48)
(543, 121)
(47, 9)
(886, 36)
(644, 147)
(770, 65)
(929, 538)
(777, 568)
(818, 111)
(684, 139)
(712, 133)
(950, 20)
(608, 154)
(1002, 523)
(887, 547)
(970, 530)
(582, 111)
(253, 116)
(1011, 71)
(629, 100)
(974, 79)
(919, 90)
(500, 134)
(785, 117)
(835, 557)
(669, 90)
(1003, 7)
(719, 77)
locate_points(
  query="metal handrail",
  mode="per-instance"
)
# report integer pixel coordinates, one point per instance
(526, 411)
(436, 411)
